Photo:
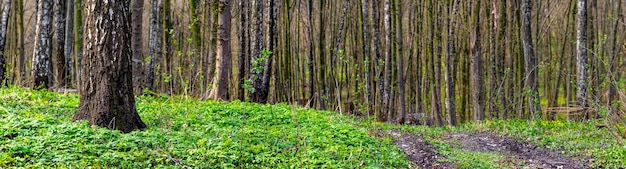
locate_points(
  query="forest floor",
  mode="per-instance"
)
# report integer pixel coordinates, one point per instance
(36, 131)
(509, 144)
(517, 153)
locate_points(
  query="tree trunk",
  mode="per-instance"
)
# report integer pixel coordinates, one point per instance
(311, 58)
(387, 75)
(69, 40)
(42, 61)
(477, 67)
(366, 53)
(530, 66)
(136, 7)
(400, 66)
(262, 64)
(581, 54)
(450, 85)
(612, 64)
(78, 40)
(220, 84)
(3, 32)
(106, 94)
(155, 44)
(243, 50)
(59, 53)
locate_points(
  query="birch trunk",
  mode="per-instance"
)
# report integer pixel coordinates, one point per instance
(42, 61)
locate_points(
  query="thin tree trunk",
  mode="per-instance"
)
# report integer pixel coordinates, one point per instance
(243, 50)
(3, 32)
(69, 39)
(137, 45)
(59, 53)
(530, 62)
(220, 89)
(311, 58)
(477, 67)
(366, 54)
(387, 74)
(612, 64)
(581, 54)
(106, 94)
(400, 66)
(78, 41)
(155, 44)
(42, 59)
(450, 85)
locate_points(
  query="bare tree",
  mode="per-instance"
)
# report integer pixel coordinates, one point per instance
(106, 93)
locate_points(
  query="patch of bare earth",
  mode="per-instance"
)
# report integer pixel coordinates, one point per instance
(529, 156)
(420, 153)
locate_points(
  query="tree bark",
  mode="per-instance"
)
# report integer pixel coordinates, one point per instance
(530, 67)
(400, 66)
(78, 40)
(59, 50)
(311, 58)
(69, 40)
(106, 94)
(136, 7)
(450, 85)
(155, 43)
(366, 54)
(581, 54)
(3, 32)
(387, 75)
(477, 67)
(220, 84)
(42, 61)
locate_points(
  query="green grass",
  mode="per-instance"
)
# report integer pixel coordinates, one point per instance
(36, 131)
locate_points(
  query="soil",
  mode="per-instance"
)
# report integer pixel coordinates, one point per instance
(528, 155)
(524, 155)
(420, 153)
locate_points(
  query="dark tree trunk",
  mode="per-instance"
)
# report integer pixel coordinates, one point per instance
(366, 53)
(3, 33)
(69, 41)
(59, 38)
(136, 7)
(400, 80)
(530, 67)
(311, 58)
(220, 84)
(155, 44)
(477, 67)
(106, 92)
(42, 61)
(450, 85)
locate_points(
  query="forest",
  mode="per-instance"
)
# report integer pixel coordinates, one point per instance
(312, 84)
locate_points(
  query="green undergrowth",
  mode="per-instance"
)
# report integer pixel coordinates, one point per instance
(580, 140)
(36, 131)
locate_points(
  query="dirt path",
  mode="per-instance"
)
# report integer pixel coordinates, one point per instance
(419, 151)
(526, 155)
(530, 155)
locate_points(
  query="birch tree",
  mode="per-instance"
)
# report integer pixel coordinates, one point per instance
(42, 59)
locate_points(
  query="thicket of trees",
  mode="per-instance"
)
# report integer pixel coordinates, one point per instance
(396, 60)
